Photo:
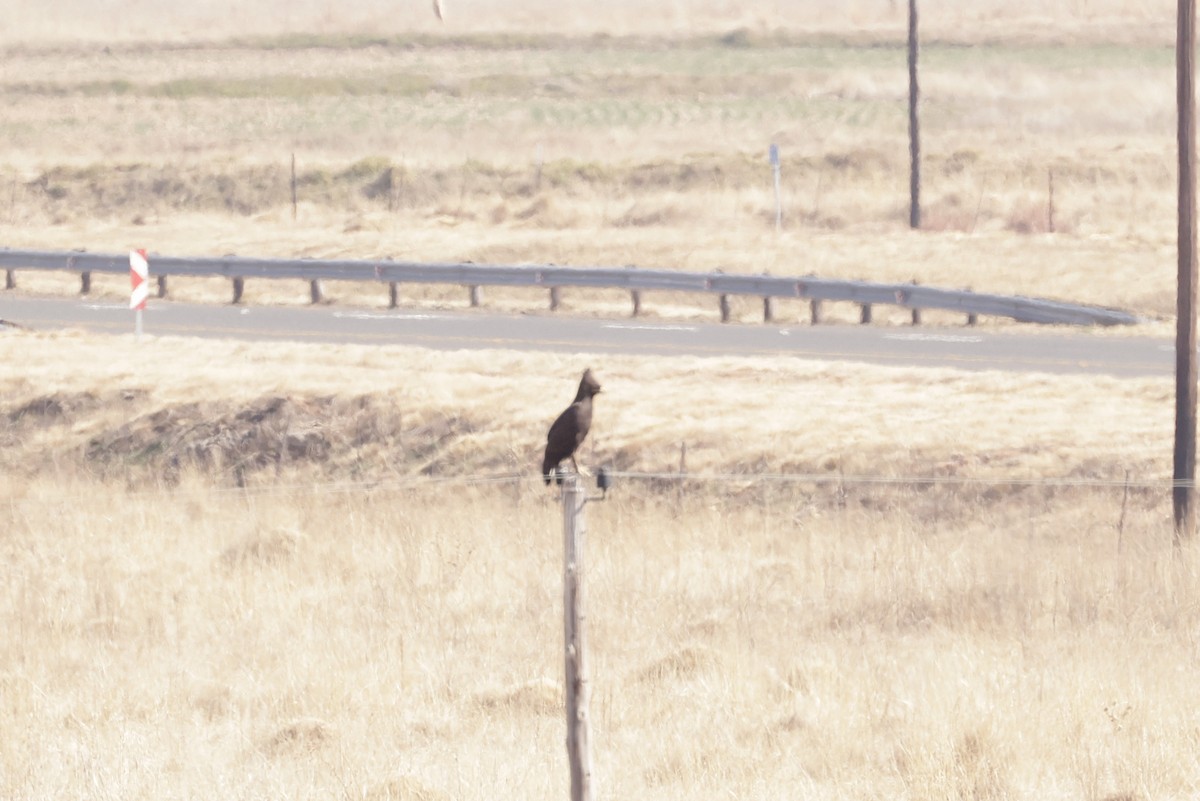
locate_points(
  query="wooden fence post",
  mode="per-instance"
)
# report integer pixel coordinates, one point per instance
(576, 690)
(1050, 201)
(294, 210)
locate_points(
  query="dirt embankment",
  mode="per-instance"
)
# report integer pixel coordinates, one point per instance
(124, 433)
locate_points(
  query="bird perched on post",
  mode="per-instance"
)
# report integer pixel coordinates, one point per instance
(569, 430)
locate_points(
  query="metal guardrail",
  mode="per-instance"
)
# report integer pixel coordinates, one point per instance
(636, 280)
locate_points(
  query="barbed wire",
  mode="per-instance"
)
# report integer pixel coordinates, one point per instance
(616, 477)
(837, 478)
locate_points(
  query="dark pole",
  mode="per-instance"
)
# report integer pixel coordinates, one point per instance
(914, 131)
(1185, 337)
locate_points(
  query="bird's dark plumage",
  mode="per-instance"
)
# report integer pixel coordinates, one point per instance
(568, 431)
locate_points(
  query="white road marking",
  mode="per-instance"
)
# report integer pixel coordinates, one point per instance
(934, 337)
(395, 316)
(104, 306)
(649, 327)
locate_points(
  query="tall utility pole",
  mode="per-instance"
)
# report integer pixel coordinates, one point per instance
(1184, 493)
(914, 130)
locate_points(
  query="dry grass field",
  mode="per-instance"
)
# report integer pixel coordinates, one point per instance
(255, 571)
(297, 571)
(639, 138)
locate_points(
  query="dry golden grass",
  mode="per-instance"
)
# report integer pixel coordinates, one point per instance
(381, 412)
(141, 19)
(356, 620)
(652, 148)
(407, 643)
(172, 635)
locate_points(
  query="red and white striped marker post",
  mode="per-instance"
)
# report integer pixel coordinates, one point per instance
(139, 274)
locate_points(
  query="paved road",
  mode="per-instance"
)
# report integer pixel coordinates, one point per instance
(965, 348)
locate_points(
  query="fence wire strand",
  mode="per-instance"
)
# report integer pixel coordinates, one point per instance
(618, 476)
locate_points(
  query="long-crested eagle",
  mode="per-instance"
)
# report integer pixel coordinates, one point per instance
(570, 428)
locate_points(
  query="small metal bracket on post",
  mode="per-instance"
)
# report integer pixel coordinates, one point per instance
(604, 480)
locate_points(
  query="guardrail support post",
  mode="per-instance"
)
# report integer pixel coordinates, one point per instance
(476, 296)
(768, 310)
(162, 286)
(554, 298)
(315, 293)
(239, 286)
(725, 311)
(866, 314)
(393, 295)
(815, 311)
(85, 283)
(916, 313)
(637, 302)
(972, 318)
(10, 279)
